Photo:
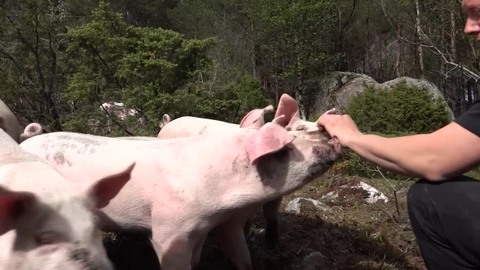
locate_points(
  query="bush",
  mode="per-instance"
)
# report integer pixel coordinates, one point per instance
(229, 104)
(249, 93)
(399, 111)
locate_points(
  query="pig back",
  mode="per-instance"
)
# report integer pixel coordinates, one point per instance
(83, 158)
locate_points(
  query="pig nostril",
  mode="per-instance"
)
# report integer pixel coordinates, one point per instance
(326, 135)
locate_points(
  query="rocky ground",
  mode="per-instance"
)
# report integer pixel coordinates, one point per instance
(334, 223)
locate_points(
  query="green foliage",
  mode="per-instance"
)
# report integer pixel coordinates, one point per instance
(299, 35)
(153, 70)
(399, 111)
(230, 104)
(250, 94)
(142, 67)
(32, 65)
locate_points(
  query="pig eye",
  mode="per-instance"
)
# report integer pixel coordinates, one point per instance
(46, 238)
(301, 127)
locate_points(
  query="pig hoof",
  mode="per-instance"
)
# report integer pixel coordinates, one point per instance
(257, 235)
(271, 237)
(246, 228)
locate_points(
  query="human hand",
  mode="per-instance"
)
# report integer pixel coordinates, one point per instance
(340, 126)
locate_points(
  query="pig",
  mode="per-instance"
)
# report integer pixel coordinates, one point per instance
(187, 125)
(137, 138)
(47, 222)
(9, 123)
(118, 109)
(184, 188)
(287, 106)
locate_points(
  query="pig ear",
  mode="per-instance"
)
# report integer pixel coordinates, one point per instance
(105, 189)
(10, 207)
(255, 117)
(331, 111)
(33, 129)
(165, 120)
(268, 139)
(278, 119)
(287, 106)
(295, 117)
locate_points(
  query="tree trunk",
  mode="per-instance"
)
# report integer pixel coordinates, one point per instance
(453, 41)
(399, 52)
(254, 51)
(420, 39)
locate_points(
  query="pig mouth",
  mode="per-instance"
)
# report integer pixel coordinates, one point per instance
(333, 142)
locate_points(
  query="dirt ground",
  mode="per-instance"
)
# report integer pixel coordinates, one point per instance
(354, 235)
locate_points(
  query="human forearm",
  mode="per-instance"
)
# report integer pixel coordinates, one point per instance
(450, 151)
(407, 155)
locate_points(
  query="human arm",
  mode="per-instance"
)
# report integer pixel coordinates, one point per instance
(449, 151)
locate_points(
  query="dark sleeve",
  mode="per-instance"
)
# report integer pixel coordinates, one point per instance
(470, 119)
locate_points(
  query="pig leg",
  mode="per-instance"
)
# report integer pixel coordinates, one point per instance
(231, 240)
(172, 243)
(174, 251)
(197, 251)
(248, 225)
(270, 213)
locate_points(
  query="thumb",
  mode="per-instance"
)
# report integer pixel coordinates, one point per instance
(326, 118)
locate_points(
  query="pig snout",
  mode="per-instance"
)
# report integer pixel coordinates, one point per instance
(332, 141)
(87, 260)
(321, 137)
(71, 257)
(328, 149)
(336, 145)
(81, 256)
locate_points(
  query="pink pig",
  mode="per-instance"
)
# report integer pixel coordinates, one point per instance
(182, 189)
(187, 126)
(46, 222)
(190, 126)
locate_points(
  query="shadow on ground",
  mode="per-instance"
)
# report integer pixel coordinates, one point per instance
(342, 248)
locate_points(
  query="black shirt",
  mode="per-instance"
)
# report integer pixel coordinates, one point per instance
(470, 119)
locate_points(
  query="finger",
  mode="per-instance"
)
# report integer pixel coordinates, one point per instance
(324, 120)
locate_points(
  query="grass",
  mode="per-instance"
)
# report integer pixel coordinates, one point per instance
(353, 235)
(475, 173)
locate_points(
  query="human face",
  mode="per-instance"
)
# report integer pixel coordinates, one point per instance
(472, 9)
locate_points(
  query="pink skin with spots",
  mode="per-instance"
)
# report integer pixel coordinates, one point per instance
(46, 222)
(182, 189)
